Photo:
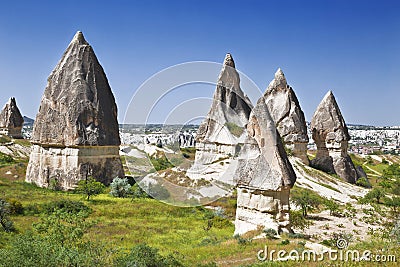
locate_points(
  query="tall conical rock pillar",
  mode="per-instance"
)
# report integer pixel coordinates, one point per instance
(330, 134)
(75, 134)
(285, 110)
(223, 128)
(11, 120)
(264, 176)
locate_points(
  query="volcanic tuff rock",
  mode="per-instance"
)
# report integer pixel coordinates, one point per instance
(75, 133)
(223, 128)
(264, 176)
(11, 120)
(330, 134)
(289, 118)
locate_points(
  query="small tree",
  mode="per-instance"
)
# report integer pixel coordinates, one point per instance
(90, 187)
(376, 194)
(297, 220)
(332, 206)
(120, 187)
(305, 199)
(393, 202)
(5, 222)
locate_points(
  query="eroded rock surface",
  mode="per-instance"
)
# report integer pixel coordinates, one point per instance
(11, 120)
(330, 134)
(75, 134)
(264, 176)
(285, 110)
(223, 128)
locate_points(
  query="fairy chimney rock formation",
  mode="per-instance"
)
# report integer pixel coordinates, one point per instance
(264, 176)
(285, 110)
(223, 127)
(330, 134)
(11, 120)
(75, 134)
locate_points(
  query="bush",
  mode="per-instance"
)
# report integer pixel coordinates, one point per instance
(306, 199)
(299, 235)
(285, 242)
(138, 192)
(375, 194)
(241, 240)
(363, 181)
(298, 221)
(16, 207)
(90, 187)
(67, 206)
(332, 206)
(161, 163)
(5, 159)
(120, 187)
(5, 222)
(270, 233)
(145, 256)
(31, 250)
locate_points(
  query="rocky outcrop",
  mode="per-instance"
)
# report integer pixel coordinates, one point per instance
(286, 112)
(11, 120)
(264, 176)
(75, 134)
(221, 132)
(330, 134)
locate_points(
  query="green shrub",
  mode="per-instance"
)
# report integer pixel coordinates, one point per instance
(241, 240)
(65, 205)
(120, 187)
(6, 159)
(5, 222)
(161, 163)
(363, 181)
(298, 221)
(145, 256)
(138, 192)
(90, 187)
(270, 233)
(299, 235)
(285, 242)
(16, 207)
(332, 206)
(306, 199)
(375, 194)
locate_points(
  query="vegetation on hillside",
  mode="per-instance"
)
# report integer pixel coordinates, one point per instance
(123, 226)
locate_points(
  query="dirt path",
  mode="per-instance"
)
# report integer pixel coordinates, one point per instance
(376, 172)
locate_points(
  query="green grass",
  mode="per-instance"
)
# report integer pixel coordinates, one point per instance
(124, 223)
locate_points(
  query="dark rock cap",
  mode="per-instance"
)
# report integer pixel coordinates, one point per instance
(78, 106)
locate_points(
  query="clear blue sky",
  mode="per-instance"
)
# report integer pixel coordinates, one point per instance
(350, 47)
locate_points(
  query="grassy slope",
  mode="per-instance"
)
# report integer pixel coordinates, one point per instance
(125, 223)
